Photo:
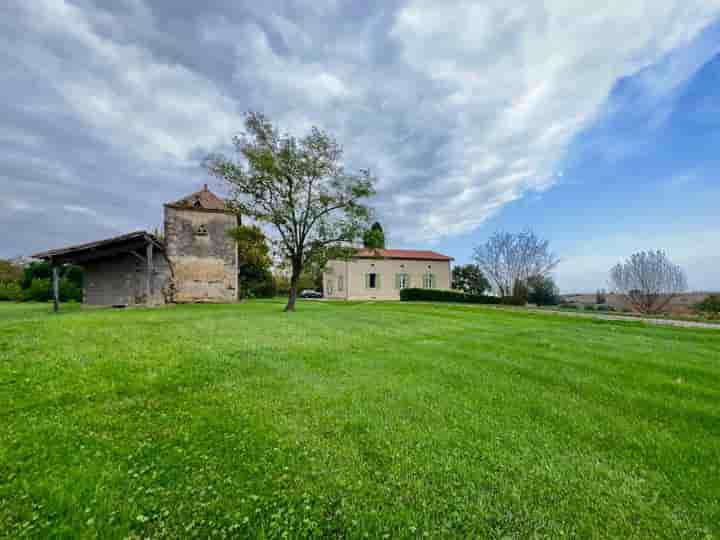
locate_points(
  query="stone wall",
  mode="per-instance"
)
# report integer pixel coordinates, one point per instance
(122, 281)
(202, 255)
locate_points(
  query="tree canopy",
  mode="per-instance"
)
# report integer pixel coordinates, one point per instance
(469, 279)
(299, 186)
(508, 259)
(648, 280)
(374, 237)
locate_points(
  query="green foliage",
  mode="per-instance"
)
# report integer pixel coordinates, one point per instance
(256, 280)
(440, 295)
(10, 291)
(35, 270)
(300, 187)
(542, 291)
(40, 270)
(469, 279)
(710, 306)
(9, 271)
(40, 290)
(374, 237)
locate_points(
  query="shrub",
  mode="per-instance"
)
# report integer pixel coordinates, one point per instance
(603, 307)
(10, 292)
(710, 306)
(542, 291)
(569, 306)
(440, 295)
(590, 308)
(40, 290)
(69, 291)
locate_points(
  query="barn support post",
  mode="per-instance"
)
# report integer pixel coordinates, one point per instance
(148, 273)
(55, 286)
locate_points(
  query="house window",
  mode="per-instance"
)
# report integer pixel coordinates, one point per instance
(402, 281)
(201, 230)
(329, 287)
(372, 281)
(341, 284)
(429, 281)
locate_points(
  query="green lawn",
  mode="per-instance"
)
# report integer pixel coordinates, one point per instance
(354, 420)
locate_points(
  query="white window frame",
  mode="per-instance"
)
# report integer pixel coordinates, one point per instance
(403, 280)
(341, 284)
(428, 280)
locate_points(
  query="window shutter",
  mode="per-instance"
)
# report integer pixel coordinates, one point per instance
(378, 283)
(397, 281)
(367, 281)
(432, 281)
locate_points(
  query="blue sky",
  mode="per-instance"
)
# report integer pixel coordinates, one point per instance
(594, 123)
(644, 175)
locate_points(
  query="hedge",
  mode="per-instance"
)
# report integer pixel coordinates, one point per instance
(440, 295)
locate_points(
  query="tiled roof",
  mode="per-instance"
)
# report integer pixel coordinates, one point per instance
(416, 254)
(200, 200)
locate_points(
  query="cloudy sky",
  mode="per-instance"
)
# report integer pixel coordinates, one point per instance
(596, 123)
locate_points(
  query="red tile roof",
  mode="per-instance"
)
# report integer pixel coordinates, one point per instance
(200, 200)
(416, 254)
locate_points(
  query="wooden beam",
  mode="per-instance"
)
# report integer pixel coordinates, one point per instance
(139, 257)
(56, 286)
(149, 273)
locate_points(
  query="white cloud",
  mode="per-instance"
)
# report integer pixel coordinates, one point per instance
(523, 79)
(152, 108)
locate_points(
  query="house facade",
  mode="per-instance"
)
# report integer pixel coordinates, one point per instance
(380, 274)
(194, 261)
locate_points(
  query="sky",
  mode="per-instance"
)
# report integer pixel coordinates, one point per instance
(595, 123)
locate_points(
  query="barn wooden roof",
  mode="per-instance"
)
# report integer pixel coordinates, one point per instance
(100, 249)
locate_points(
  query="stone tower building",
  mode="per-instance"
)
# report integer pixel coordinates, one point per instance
(203, 257)
(197, 261)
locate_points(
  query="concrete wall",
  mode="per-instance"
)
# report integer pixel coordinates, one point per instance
(122, 281)
(203, 256)
(353, 271)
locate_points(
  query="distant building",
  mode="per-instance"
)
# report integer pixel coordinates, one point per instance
(380, 274)
(195, 260)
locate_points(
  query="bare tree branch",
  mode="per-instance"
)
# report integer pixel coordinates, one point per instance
(648, 280)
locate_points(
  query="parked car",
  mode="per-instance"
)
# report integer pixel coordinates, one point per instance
(309, 293)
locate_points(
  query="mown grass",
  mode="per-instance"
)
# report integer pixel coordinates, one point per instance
(354, 420)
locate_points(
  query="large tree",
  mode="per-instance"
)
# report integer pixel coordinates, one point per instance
(648, 280)
(508, 259)
(300, 187)
(469, 279)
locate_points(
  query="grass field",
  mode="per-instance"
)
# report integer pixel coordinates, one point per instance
(354, 420)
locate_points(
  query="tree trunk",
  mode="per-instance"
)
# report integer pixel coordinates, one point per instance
(294, 280)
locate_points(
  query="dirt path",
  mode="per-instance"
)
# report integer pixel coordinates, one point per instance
(606, 317)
